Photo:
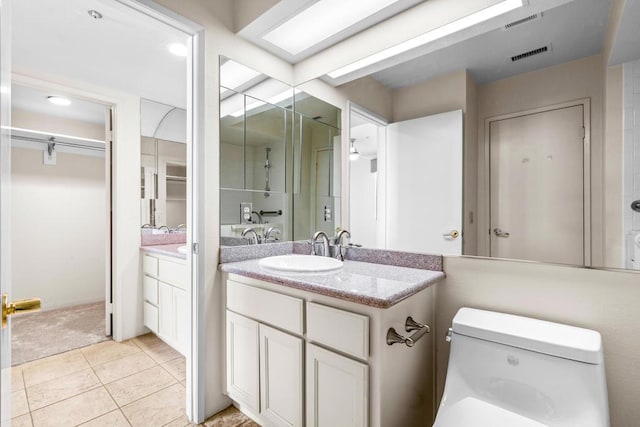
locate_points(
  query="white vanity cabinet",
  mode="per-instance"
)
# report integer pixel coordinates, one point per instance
(165, 299)
(297, 358)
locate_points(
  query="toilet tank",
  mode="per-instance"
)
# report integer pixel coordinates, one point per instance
(545, 372)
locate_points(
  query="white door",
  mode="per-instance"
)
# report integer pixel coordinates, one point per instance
(424, 184)
(537, 186)
(281, 376)
(337, 390)
(5, 173)
(243, 361)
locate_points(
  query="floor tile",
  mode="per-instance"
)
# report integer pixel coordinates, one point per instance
(22, 421)
(162, 353)
(134, 387)
(53, 367)
(109, 350)
(148, 340)
(75, 410)
(120, 368)
(177, 368)
(183, 421)
(19, 405)
(17, 383)
(47, 393)
(112, 419)
(157, 409)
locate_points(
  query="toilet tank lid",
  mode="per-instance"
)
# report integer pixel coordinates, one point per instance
(555, 339)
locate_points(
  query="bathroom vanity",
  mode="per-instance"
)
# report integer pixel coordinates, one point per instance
(164, 284)
(311, 349)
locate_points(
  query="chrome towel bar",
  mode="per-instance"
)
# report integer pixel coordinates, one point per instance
(419, 330)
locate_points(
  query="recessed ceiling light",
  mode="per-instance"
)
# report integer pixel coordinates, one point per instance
(58, 100)
(322, 20)
(178, 49)
(438, 33)
(94, 14)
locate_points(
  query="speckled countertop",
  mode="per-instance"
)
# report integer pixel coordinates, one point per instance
(167, 250)
(366, 283)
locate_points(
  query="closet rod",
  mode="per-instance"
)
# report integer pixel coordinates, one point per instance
(60, 143)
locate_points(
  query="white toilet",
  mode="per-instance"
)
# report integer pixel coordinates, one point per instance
(512, 371)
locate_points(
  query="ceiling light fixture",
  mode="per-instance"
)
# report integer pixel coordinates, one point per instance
(94, 14)
(59, 100)
(435, 34)
(178, 49)
(274, 100)
(353, 151)
(322, 20)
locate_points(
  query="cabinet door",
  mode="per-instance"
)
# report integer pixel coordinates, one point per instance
(166, 317)
(280, 377)
(337, 390)
(243, 381)
(181, 320)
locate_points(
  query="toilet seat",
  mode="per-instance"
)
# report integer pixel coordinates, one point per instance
(472, 412)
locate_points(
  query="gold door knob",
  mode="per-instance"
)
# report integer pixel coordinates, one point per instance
(453, 234)
(18, 307)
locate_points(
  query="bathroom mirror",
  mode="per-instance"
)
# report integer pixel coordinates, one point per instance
(277, 164)
(163, 166)
(550, 161)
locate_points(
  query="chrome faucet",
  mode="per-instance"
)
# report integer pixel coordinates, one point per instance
(258, 215)
(325, 243)
(270, 231)
(254, 238)
(165, 227)
(340, 235)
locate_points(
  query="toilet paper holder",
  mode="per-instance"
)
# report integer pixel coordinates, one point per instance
(419, 330)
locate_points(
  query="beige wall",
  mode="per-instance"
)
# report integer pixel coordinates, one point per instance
(369, 93)
(58, 224)
(605, 301)
(45, 123)
(570, 81)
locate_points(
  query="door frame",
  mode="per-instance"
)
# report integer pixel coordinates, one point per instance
(484, 237)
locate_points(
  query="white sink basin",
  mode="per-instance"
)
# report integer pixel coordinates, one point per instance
(301, 263)
(183, 249)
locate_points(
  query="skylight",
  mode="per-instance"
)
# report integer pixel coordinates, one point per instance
(322, 20)
(234, 75)
(435, 34)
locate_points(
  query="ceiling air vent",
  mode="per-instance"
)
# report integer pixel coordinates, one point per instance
(523, 20)
(534, 52)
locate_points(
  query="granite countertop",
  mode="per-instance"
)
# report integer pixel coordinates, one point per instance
(365, 283)
(167, 250)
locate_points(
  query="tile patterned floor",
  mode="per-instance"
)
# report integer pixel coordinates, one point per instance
(140, 382)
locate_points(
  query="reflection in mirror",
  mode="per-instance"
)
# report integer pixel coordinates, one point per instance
(550, 168)
(317, 167)
(163, 174)
(279, 176)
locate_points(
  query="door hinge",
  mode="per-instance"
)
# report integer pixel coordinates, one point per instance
(109, 307)
(195, 248)
(583, 132)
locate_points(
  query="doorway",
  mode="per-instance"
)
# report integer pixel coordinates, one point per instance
(60, 204)
(539, 186)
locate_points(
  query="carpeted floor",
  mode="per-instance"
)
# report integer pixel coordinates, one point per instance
(42, 334)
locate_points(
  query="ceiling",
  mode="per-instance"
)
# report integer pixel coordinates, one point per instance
(35, 100)
(573, 30)
(125, 50)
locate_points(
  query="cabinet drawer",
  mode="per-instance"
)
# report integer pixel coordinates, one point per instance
(151, 317)
(342, 330)
(174, 273)
(150, 265)
(150, 289)
(279, 310)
